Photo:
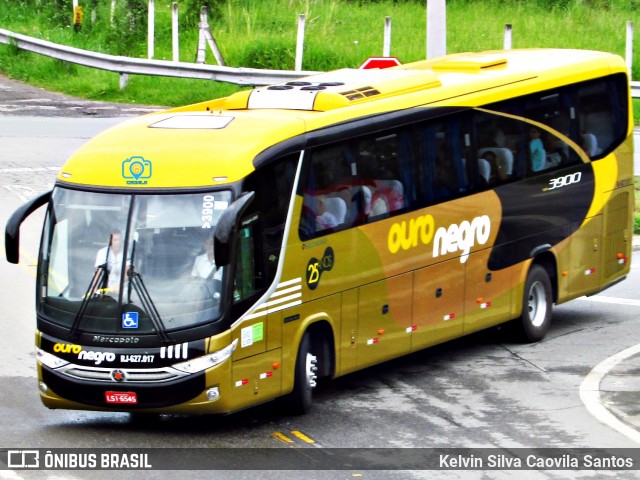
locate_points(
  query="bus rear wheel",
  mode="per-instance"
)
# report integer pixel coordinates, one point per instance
(537, 305)
(301, 399)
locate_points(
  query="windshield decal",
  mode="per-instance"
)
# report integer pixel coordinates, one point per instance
(210, 206)
(130, 320)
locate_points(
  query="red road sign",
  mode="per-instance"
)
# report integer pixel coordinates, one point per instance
(380, 62)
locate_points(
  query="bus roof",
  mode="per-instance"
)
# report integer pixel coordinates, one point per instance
(214, 143)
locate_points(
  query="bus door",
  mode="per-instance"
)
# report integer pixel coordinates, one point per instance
(256, 365)
(259, 336)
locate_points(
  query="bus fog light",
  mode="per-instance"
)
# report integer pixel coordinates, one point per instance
(213, 394)
(43, 387)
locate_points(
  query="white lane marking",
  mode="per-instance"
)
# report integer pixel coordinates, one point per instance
(23, 192)
(616, 300)
(590, 393)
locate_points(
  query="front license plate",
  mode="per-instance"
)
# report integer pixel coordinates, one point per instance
(128, 398)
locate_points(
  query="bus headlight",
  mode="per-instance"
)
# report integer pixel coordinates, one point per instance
(49, 360)
(207, 361)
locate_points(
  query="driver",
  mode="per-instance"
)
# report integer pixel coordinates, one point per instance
(111, 257)
(204, 265)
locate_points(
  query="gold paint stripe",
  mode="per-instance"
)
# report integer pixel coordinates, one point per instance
(282, 437)
(302, 436)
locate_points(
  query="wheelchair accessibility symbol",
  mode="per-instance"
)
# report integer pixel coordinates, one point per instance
(130, 320)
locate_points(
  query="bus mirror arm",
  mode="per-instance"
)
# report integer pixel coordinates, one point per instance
(12, 230)
(226, 228)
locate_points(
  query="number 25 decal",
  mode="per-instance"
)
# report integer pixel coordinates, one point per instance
(316, 267)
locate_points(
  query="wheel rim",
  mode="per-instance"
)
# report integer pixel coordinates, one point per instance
(537, 304)
(311, 369)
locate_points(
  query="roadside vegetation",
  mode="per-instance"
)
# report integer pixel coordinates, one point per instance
(262, 34)
(636, 216)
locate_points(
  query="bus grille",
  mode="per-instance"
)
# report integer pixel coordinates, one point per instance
(93, 374)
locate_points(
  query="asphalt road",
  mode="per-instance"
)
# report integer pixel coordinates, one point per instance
(480, 391)
(21, 100)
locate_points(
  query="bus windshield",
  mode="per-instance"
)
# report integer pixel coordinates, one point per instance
(112, 263)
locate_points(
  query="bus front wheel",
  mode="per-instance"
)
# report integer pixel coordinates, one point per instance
(537, 304)
(305, 377)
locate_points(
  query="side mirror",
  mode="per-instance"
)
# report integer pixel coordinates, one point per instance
(12, 230)
(227, 225)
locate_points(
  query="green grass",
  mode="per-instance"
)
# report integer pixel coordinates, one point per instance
(262, 34)
(636, 216)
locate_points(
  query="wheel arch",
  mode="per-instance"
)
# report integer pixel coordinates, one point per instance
(323, 346)
(547, 260)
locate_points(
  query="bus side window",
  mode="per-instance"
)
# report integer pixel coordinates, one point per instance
(599, 116)
(444, 185)
(328, 191)
(249, 278)
(498, 142)
(379, 161)
(593, 114)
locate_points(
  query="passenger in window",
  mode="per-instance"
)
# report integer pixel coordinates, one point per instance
(387, 192)
(590, 144)
(387, 197)
(324, 218)
(556, 154)
(536, 150)
(496, 173)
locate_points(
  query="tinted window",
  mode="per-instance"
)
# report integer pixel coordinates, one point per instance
(593, 114)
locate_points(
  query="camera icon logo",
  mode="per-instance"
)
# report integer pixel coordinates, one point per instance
(136, 170)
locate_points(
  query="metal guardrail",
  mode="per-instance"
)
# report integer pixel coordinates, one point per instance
(138, 66)
(164, 68)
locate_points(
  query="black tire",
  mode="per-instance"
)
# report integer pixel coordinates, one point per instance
(537, 306)
(300, 400)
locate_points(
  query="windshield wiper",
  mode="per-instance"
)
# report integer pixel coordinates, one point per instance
(98, 282)
(135, 280)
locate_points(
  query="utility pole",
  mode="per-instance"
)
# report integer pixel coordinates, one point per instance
(436, 28)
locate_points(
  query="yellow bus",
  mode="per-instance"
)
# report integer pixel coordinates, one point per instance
(213, 257)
